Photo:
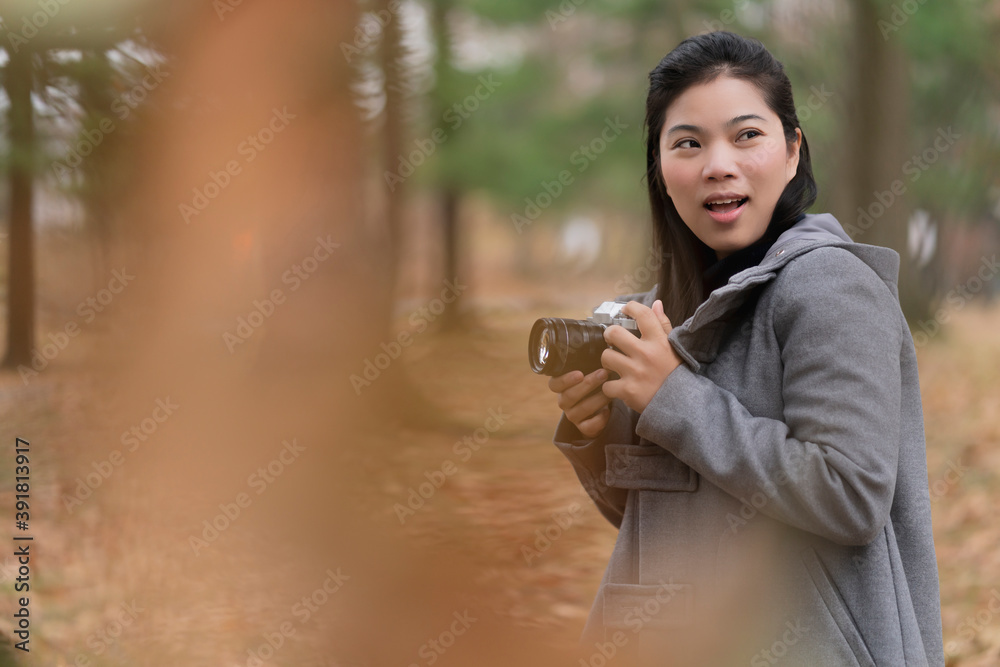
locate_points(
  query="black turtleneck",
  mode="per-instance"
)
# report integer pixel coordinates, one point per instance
(719, 272)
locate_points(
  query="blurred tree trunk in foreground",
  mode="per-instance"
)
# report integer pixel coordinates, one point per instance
(287, 375)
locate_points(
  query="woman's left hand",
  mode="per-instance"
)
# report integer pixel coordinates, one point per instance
(643, 363)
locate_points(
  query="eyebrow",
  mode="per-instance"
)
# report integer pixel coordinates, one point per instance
(730, 123)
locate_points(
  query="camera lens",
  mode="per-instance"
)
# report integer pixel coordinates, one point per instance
(543, 348)
(558, 346)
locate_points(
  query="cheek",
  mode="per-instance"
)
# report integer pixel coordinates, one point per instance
(767, 168)
(665, 172)
(676, 175)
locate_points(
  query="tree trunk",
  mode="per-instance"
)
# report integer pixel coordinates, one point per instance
(450, 194)
(872, 202)
(96, 98)
(21, 279)
(394, 70)
(451, 318)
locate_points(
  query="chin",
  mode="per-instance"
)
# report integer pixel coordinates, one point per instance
(731, 244)
(728, 246)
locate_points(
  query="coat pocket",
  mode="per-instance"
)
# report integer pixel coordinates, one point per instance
(648, 467)
(639, 606)
(837, 608)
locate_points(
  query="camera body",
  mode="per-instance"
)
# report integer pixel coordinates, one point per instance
(557, 346)
(610, 312)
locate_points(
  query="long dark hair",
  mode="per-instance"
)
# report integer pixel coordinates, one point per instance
(697, 60)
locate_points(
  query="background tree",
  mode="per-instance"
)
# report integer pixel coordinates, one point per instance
(31, 36)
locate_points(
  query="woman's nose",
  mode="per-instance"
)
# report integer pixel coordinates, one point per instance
(720, 163)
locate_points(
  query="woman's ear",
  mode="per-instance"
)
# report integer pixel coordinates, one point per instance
(792, 163)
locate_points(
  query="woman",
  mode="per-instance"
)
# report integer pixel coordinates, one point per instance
(764, 460)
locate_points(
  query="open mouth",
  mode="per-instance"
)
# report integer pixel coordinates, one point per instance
(726, 205)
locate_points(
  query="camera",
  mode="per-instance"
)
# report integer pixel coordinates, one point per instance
(557, 346)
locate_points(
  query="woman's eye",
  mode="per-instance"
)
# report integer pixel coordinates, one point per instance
(686, 143)
(749, 134)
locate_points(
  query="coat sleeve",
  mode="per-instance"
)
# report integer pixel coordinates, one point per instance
(588, 458)
(829, 466)
(587, 454)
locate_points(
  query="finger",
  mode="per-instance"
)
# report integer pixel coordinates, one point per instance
(661, 316)
(591, 382)
(622, 339)
(649, 324)
(561, 383)
(592, 427)
(587, 408)
(612, 388)
(617, 362)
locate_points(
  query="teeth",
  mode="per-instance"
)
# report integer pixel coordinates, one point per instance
(725, 201)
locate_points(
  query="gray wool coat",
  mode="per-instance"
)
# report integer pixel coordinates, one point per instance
(775, 489)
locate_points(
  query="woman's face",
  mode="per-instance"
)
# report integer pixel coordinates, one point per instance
(725, 162)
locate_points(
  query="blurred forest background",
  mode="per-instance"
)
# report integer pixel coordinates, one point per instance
(340, 220)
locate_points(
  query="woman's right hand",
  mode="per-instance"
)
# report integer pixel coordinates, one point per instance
(588, 411)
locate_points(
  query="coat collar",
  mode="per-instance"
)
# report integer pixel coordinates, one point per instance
(697, 339)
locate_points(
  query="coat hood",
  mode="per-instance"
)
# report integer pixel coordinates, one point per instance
(697, 339)
(824, 229)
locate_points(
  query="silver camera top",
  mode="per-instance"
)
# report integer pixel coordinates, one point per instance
(609, 313)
